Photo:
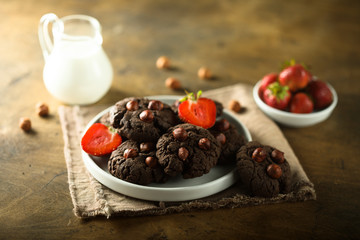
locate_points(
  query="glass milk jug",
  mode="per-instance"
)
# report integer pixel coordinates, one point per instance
(77, 70)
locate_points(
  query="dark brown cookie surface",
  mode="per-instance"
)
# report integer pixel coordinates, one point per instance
(230, 140)
(188, 150)
(136, 163)
(105, 119)
(142, 119)
(264, 173)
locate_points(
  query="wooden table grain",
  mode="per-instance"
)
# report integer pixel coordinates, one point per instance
(240, 41)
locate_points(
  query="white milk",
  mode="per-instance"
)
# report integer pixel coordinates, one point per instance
(77, 72)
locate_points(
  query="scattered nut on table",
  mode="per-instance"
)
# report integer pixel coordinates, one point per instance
(25, 124)
(163, 62)
(42, 109)
(204, 73)
(235, 106)
(172, 83)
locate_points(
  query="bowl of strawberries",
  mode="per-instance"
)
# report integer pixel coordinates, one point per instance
(294, 97)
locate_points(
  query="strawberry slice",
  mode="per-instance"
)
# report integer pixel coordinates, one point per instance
(100, 140)
(197, 110)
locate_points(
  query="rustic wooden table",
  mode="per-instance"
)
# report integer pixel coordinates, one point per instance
(239, 41)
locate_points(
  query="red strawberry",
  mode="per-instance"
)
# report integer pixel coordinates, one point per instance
(198, 111)
(320, 93)
(295, 76)
(266, 81)
(301, 103)
(99, 140)
(277, 96)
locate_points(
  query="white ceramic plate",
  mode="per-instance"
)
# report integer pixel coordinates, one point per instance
(177, 188)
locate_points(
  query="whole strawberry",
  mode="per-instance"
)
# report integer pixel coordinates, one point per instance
(320, 93)
(295, 77)
(277, 96)
(266, 81)
(301, 103)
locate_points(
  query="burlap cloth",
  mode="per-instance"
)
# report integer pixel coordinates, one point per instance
(91, 198)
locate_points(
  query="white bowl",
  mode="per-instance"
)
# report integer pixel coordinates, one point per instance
(295, 119)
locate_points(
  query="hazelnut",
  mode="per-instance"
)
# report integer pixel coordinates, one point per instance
(259, 154)
(222, 125)
(130, 153)
(147, 147)
(132, 105)
(180, 134)
(172, 83)
(146, 116)
(274, 171)
(204, 144)
(221, 138)
(277, 156)
(42, 109)
(204, 73)
(155, 105)
(25, 124)
(183, 153)
(234, 106)
(163, 62)
(151, 162)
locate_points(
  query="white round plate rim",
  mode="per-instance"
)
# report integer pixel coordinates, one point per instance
(160, 192)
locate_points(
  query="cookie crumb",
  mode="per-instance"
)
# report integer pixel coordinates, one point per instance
(235, 106)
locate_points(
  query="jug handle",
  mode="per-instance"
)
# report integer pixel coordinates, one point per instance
(46, 43)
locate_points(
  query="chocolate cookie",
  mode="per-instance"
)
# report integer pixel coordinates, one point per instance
(230, 140)
(263, 169)
(105, 119)
(188, 150)
(136, 163)
(142, 119)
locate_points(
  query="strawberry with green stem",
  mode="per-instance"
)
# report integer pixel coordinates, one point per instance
(197, 110)
(294, 75)
(277, 96)
(266, 81)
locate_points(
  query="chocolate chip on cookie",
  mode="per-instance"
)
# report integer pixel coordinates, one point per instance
(155, 105)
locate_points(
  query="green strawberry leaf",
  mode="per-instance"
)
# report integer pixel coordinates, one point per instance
(279, 91)
(191, 96)
(292, 62)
